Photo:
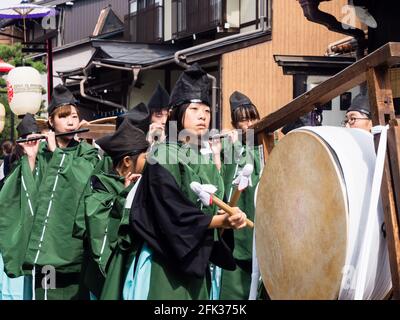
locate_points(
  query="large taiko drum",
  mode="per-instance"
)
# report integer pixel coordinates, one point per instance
(312, 217)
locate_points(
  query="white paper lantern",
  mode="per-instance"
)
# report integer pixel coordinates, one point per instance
(2, 117)
(24, 90)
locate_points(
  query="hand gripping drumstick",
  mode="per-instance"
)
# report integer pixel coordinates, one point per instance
(205, 192)
(242, 181)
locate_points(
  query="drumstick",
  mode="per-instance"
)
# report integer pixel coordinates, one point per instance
(62, 134)
(207, 197)
(242, 181)
(228, 209)
(235, 197)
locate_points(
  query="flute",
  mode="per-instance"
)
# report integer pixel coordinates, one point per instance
(62, 134)
(219, 135)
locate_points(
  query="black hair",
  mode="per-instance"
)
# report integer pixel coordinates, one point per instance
(244, 112)
(117, 161)
(158, 110)
(177, 114)
(17, 153)
(7, 147)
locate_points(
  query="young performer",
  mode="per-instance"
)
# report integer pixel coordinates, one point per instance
(159, 107)
(13, 288)
(104, 205)
(238, 152)
(175, 240)
(39, 202)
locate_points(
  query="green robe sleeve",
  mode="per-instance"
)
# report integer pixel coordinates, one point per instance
(17, 209)
(107, 195)
(44, 202)
(242, 155)
(104, 165)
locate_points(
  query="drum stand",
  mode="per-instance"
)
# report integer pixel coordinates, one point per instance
(374, 69)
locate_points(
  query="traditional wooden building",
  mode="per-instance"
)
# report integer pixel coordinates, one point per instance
(265, 48)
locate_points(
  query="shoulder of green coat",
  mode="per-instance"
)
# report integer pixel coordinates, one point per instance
(85, 148)
(107, 183)
(166, 154)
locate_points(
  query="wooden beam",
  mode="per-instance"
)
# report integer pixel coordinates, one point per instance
(382, 108)
(380, 93)
(345, 80)
(394, 162)
(108, 120)
(97, 131)
(394, 151)
(268, 142)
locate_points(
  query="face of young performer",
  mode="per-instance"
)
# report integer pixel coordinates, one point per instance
(160, 117)
(197, 118)
(65, 119)
(131, 167)
(356, 119)
(244, 117)
(244, 124)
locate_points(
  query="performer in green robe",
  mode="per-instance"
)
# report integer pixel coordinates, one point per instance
(139, 116)
(174, 232)
(159, 110)
(236, 154)
(14, 288)
(39, 203)
(104, 206)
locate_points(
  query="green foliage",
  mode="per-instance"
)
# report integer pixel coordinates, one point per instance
(6, 134)
(13, 55)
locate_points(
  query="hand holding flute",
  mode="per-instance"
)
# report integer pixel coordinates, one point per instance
(34, 137)
(231, 134)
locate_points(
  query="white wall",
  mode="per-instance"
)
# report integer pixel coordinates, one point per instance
(335, 116)
(247, 10)
(233, 13)
(167, 20)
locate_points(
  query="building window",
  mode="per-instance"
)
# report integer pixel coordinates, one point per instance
(251, 12)
(195, 16)
(145, 21)
(136, 5)
(133, 6)
(191, 17)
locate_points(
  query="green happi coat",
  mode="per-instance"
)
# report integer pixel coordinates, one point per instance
(38, 210)
(236, 284)
(103, 214)
(123, 252)
(184, 165)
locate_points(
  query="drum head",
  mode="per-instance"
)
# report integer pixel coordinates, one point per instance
(301, 227)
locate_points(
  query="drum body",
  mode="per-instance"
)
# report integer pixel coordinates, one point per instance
(312, 210)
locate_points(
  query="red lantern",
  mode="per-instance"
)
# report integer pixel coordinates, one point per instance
(5, 67)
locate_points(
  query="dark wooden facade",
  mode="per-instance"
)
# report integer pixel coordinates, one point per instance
(146, 25)
(77, 21)
(81, 18)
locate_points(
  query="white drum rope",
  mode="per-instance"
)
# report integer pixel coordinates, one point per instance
(366, 268)
(364, 289)
(255, 271)
(255, 268)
